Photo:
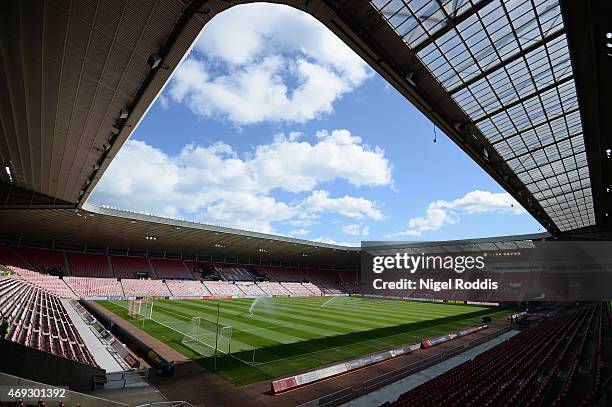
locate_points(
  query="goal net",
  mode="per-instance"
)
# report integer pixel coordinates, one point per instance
(140, 309)
(208, 338)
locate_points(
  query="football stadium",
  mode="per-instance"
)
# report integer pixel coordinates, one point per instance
(105, 304)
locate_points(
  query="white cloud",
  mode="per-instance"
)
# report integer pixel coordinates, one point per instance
(213, 184)
(358, 208)
(483, 201)
(301, 223)
(332, 241)
(356, 230)
(298, 232)
(265, 62)
(298, 166)
(441, 213)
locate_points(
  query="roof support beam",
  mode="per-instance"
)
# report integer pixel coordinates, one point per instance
(586, 24)
(524, 98)
(451, 23)
(526, 153)
(527, 184)
(563, 193)
(535, 126)
(507, 61)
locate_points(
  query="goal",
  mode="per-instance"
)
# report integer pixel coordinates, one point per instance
(208, 338)
(140, 309)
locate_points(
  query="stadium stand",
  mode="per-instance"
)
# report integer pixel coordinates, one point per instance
(94, 287)
(39, 320)
(128, 267)
(145, 288)
(313, 288)
(234, 273)
(186, 288)
(165, 268)
(327, 277)
(23, 272)
(296, 289)
(330, 290)
(88, 265)
(250, 288)
(195, 268)
(348, 276)
(287, 281)
(9, 258)
(223, 288)
(204, 271)
(282, 274)
(52, 284)
(256, 274)
(505, 295)
(273, 288)
(42, 258)
(523, 370)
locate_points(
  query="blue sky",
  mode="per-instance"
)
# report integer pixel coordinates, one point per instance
(272, 124)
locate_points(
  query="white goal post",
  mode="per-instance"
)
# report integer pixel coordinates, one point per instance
(208, 338)
(140, 309)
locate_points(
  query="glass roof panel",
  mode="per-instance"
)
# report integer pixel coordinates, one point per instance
(507, 65)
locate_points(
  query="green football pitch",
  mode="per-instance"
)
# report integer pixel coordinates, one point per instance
(273, 337)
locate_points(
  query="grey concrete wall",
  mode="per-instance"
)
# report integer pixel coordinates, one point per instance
(32, 364)
(72, 398)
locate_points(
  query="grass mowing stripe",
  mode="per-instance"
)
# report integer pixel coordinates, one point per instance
(244, 336)
(294, 322)
(294, 334)
(297, 319)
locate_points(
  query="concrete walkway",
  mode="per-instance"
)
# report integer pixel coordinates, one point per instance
(97, 349)
(392, 391)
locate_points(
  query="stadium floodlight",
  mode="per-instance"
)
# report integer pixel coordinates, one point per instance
(124, 114)
(115, 130)
(96, 167)
(609, 35)
(106, 146)
(9, 173)
(154, 61)
(609, 153)
(485, 154)
(411, 78)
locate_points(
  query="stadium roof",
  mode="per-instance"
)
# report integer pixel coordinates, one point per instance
(521, 86)
(485, 244)
(501, 72)
(118, 231)
(508, 68)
